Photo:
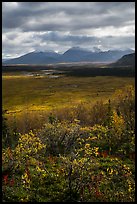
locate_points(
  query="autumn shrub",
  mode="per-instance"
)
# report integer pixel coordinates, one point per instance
(24, 157)
(27, 120)
(67, 161)
(9, 136)
(98, 113)
(91, 178)
(60, 137)
(125, 105)
(87, 115)
(65, 113)
(81, 175)
(114, 138)
(82, 113)
(5, 131)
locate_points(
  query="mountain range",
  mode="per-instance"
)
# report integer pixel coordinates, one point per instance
(74, 54)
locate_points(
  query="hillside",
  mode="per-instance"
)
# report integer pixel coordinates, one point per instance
(126, 60)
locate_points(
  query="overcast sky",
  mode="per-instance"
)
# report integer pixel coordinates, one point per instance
(29, 26)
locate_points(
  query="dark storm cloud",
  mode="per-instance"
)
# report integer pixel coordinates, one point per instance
(55, 36)
(35, 16)
(28, 26)
(75, 40)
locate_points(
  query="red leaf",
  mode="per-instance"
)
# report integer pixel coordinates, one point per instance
(12, 182)
(5, 178)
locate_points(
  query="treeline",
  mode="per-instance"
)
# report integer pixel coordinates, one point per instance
(83, 71)
(117, 71)
(29, 68)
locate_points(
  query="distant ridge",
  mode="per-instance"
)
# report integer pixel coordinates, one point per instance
(35, 58)
(74, 54)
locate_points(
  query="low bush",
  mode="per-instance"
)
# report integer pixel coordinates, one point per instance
(65, 161)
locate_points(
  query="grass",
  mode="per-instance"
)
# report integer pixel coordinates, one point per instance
(21, 92)
(103, 132)
(31, 99)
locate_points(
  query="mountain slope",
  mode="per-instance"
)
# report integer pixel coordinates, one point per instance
(107, 56)
(35, 58)
(74, 54)
(126, 60)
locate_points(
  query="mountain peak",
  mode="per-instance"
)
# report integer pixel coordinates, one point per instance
(74, 54)
(77, 48)
(43, 51)
(96, 49)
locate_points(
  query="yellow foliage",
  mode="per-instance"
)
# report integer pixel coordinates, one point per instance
(28, 146)
(118, 122)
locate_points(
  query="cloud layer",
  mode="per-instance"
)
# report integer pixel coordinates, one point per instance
(28, 26)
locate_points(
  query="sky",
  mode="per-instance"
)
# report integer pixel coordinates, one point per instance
(58, 26)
